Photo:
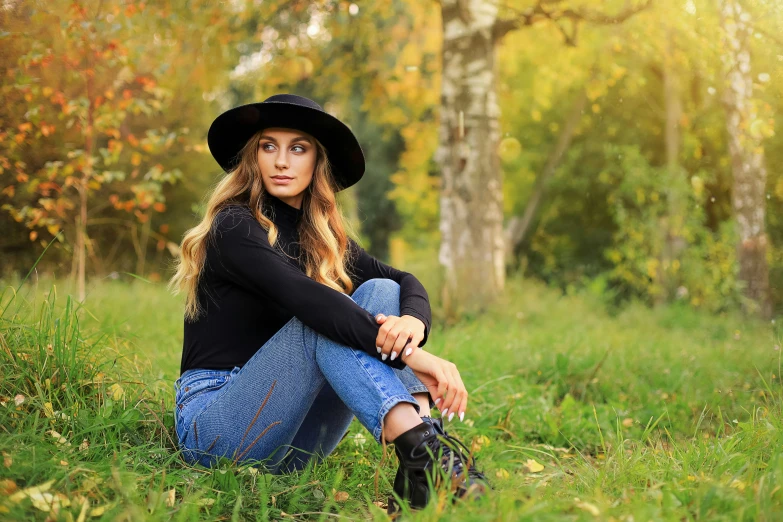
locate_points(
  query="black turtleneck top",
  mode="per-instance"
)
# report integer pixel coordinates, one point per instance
(248, 290)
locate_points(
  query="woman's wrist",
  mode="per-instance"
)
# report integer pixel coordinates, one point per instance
(414, 356)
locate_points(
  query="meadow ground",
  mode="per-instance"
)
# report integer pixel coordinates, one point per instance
(574, 414)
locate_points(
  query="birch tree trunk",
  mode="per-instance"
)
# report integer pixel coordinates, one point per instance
(747, 156)
(471, 201)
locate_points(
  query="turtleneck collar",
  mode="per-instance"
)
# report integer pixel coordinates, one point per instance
(283, 211)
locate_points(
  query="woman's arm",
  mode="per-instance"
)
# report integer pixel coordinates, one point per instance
(246, 258)
(414, 300)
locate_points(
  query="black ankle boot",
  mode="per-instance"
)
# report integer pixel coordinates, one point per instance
(426, 452)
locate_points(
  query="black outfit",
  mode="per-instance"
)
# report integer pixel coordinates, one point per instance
(248, 290)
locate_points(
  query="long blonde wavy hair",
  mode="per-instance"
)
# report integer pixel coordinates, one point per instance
(322, 237)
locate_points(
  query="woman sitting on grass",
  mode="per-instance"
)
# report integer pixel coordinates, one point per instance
(291, 328)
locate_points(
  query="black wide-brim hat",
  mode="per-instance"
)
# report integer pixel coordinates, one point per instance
(230, 131)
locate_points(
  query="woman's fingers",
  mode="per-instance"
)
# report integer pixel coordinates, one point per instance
(413, 344)
(395, 338)
(463, 405)
(452, 401)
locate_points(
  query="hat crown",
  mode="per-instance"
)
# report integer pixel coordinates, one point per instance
(295, 99)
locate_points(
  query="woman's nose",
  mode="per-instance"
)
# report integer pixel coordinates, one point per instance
(281, 161)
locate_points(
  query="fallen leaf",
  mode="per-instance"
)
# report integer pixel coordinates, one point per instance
(117, 392)
(7, 460)
(85, 445)
(100, 510)
(533, 467)
(48, 409)
(501, 473)
(40, 488)
(7, 487)
(59, 439)
(627, 423)
(171, 497)
(19, 399)
(590, 508)
(341, 496)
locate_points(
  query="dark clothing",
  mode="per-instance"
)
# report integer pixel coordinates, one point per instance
(249, 290)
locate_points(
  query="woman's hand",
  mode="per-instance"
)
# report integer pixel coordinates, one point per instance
(396, 333)
(442, 380)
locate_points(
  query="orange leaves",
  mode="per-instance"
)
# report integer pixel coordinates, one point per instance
(47, 129)
(9, 191)
(136, 159)
(159, 207)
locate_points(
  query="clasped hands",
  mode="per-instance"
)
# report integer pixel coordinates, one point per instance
(441, 377)
(398, 334)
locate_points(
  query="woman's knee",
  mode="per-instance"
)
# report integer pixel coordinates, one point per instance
(378, 285)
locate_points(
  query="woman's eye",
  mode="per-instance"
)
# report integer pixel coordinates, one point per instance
(299, 147)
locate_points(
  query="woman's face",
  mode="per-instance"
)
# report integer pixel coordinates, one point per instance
(286, 158)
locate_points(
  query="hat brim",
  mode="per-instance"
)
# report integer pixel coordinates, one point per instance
(230, 131)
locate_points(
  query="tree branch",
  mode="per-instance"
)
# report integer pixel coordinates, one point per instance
(539, 12)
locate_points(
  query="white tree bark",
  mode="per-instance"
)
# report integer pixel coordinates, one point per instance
(747, 156)
(471, 202)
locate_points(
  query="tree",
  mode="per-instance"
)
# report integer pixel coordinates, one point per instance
(471, 204)
(745, 132)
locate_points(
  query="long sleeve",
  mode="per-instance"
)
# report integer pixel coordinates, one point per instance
(414, 300)
(245, 257)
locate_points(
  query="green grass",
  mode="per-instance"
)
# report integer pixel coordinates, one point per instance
(665, 414)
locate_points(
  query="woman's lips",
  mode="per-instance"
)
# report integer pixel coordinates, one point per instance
(282, 180)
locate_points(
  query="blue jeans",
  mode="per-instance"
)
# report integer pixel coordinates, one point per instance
(295, 398)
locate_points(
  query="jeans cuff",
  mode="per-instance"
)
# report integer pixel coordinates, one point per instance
(419, 388)
(388, 405)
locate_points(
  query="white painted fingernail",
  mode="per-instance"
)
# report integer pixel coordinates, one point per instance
(461, 416)
(408, 351)
(437, 400)
(383, 357)
(451, 416)
(394, 354)
(378, 348)
(444, 412)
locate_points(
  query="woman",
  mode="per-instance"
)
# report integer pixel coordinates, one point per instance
(291, 329)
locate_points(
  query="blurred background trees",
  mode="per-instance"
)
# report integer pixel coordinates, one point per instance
(624, 148)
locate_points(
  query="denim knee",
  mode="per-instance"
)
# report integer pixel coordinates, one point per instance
(378, 295)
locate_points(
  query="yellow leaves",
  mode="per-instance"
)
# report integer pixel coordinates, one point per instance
(502, 473)
(652, 267)
(116, 392)
(136, 159)
(533, 466)
(698, 185)
(509, 149)
(536, 115)
(479, 442)
(48, 410)
(340, 496)
(627, 423)
(640, 196)
(9, 191)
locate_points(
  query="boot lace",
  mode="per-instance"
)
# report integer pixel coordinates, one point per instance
(462, 456)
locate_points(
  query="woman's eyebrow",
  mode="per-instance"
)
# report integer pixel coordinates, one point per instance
(300, 138)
